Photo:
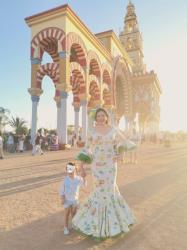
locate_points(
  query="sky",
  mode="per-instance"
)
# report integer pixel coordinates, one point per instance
(163, 24)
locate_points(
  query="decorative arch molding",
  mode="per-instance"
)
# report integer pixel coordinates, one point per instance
(121, 71)
(44, 38)
(74, 66)
(94, 91)
(80, 47)
(93, 61)
(49, 69)
(93, 78)
(106, 73)
(77, 80)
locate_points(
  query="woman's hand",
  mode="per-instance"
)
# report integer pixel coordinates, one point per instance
(81, 165)
(83, 173)
(82, 170)
(118, 157)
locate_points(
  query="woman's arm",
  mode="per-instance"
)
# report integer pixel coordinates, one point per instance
(85, 154)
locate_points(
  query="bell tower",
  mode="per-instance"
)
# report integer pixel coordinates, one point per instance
(131, 39)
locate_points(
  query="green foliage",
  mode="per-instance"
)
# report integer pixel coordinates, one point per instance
(19, 125)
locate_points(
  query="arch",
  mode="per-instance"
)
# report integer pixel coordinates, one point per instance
(51, 39)
(106, 77)
(77, 80)
(76, 48)
(121, 100)
(94, 79)
(106, 73)
(107, 97)
(94, 92)
(50, 69)
(94, 64)
(122, 88)
(74, 66)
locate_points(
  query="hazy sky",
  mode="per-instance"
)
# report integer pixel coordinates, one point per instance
(163, 24)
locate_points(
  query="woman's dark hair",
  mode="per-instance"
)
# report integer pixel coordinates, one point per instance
(104, 111)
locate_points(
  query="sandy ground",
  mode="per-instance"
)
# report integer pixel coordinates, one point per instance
(31, 216)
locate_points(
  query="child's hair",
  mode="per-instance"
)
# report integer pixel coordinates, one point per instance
(72, 164)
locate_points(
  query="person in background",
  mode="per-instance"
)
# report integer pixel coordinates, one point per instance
(37, 146)
(10, 143)
(16, 143)
(134, 137)
(21, 143)
(1, 146)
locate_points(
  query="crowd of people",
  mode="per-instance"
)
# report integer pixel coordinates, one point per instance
(13, 143)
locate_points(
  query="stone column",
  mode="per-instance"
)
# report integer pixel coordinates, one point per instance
(35, 101)
(63, 86)
(63, 128)
(35, 65)
(84, 119)
(76, 124)
(131, 125)
(126, 124)
(59, 120)
(111, 116)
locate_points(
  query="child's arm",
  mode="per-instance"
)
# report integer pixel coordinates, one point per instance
(62, 193)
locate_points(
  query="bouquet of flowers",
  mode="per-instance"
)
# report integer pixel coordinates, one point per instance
(84, 156)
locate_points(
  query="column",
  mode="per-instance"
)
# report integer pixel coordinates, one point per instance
(35, 65)
(76, 125)
(131, 125)
(35, 101)
(126, 124)
(111, 116)
(63, 129)
(59, 120)
(84, 119)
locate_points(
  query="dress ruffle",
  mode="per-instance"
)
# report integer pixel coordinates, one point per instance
(104, 216)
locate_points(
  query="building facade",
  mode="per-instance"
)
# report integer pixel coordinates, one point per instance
(100, 70)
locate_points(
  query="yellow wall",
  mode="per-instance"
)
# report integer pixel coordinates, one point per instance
(58, 22)
(106, 42)
(115, 51)
(89, 44)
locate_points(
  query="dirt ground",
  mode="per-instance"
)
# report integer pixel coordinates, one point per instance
(31, 215)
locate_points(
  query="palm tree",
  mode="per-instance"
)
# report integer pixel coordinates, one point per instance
(19, 125)
(3, 117)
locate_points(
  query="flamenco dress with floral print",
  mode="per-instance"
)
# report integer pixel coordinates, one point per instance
(105, 213)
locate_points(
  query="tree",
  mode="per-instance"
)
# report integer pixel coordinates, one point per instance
(19, 125)
(3, 117)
